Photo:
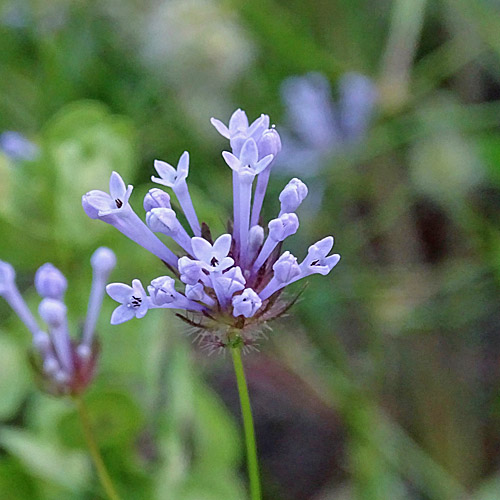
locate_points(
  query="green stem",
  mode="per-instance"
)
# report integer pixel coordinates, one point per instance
(246, 412)
(102, 472)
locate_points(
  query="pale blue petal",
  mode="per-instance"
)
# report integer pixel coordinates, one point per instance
(121, 314)
(119, 292)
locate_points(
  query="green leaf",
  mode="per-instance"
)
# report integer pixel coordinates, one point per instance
(14, 376)
(46, 460)
(114, 416)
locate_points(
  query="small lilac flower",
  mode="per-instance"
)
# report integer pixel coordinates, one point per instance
(317, 260)
(279, 229)
(114, 208)
(50, 282)
(17, 147)
(176, 179)
(239, 130)
(162, 293)
(246, 304)
(214, 257)
(65, 366)
(292, 196)
(247, 166)
(231, 285)
(286, 268)
(190, 270)
(133, 299)
(99, 204)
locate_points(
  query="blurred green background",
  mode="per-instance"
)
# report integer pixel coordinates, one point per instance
(384, 381)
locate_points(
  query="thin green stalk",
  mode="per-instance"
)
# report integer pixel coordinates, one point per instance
(102, 472)
(246, 412)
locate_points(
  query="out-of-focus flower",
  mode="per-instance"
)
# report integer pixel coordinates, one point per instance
(199, 48)
(231, 285)
(66, 366)
(319, 128)
(17, 147)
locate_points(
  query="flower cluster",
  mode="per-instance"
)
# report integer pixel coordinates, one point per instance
(231, 284)
(319, 127)
(66, 367)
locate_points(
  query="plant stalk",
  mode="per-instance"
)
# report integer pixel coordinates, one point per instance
(248, 426)
(102, 472)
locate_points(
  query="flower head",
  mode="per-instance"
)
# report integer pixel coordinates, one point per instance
(66, 366)
(233, 283)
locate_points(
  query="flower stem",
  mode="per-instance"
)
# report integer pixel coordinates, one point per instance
(102, 472)
(246, 411)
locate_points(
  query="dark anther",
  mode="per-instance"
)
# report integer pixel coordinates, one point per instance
(119, 203)
(315, 262)
(214, 262)
(136, 302)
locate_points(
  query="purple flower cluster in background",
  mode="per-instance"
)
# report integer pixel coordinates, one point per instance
(66, 367)
(17, 147)
(318, 127)
(230, 284)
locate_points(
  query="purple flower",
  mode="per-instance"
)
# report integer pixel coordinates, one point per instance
(318, 127)
(67, 366)
(17, 147)
(114, 208)
(234, 282)
(176, 179)
(246, 304)
(133, 299)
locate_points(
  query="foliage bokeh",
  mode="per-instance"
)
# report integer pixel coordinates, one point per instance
(391, 363)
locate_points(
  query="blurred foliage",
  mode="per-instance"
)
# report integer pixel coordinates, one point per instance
(401, 342)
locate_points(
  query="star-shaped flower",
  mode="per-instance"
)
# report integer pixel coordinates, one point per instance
(97, 203)
(214, 257)
(133, 299)
(169, 176)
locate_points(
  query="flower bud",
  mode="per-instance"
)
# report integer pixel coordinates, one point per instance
(255, 238)
(156, 198)
(190, 270)
(50, 282)
(269, 143)
(90, 208)
(283, 227)
(246, 304)
(286, 268)
(292, 196)
(41, 341)
(162, 290)
(103, 261)
(195, 292)
(163, 220)
(53, 312)
(51, 365)
(7, 277)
